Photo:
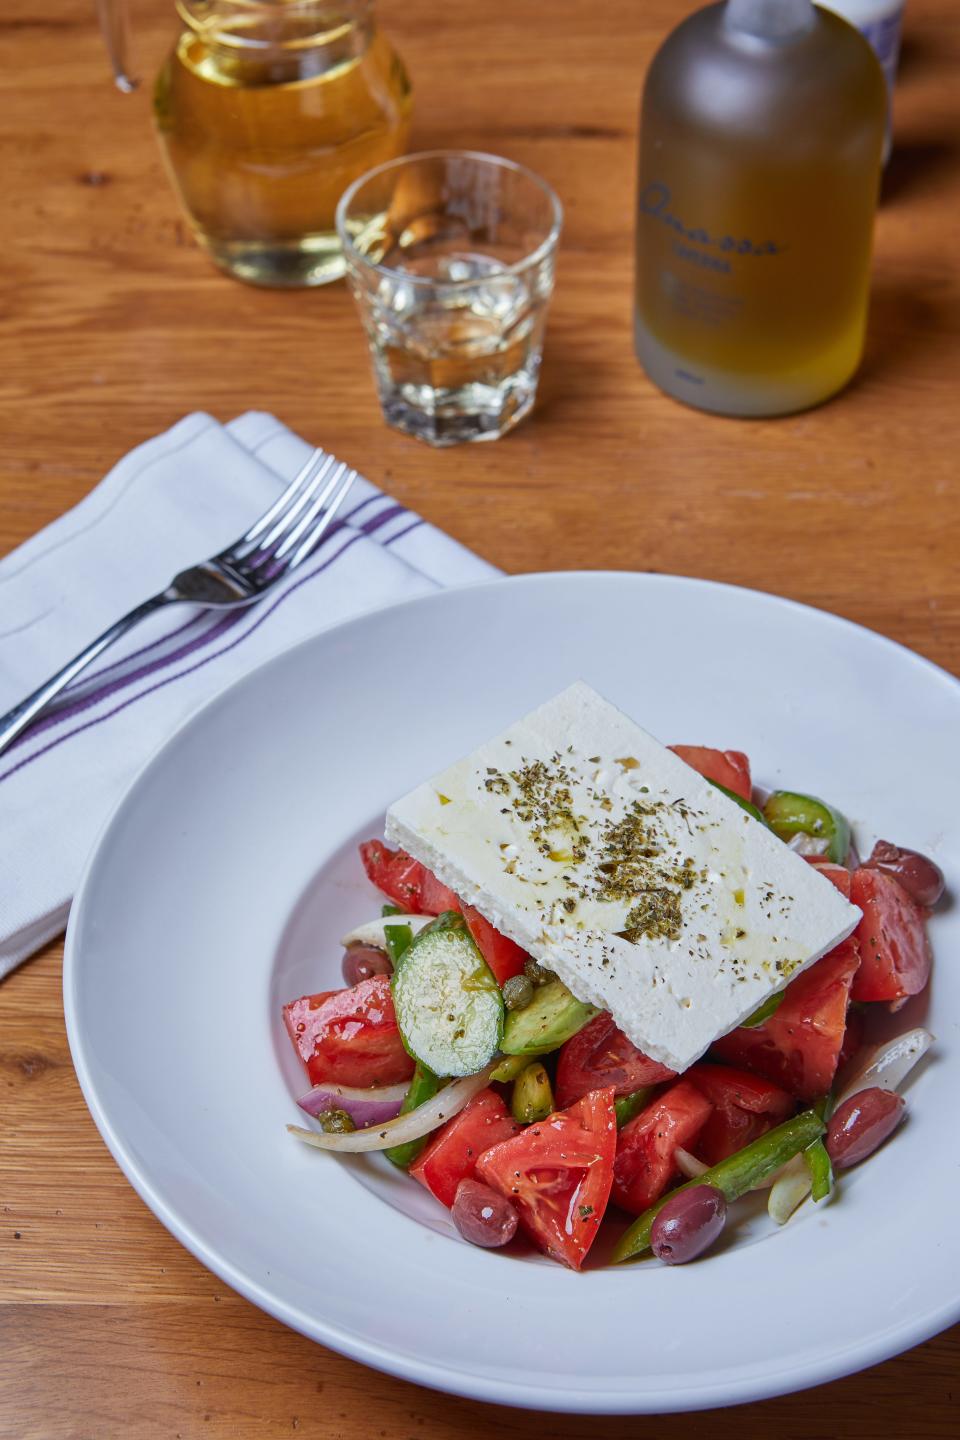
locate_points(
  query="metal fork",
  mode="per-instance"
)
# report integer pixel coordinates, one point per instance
(273, 547)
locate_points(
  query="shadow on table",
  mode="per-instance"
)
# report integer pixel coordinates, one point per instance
(918, 163)
(908, 322)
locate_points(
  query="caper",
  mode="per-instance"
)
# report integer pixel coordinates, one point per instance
(335, 1122)
(517, 992)
(537, 974)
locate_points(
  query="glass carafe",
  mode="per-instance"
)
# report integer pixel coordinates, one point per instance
(266, 111)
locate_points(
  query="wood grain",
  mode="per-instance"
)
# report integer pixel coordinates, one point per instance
(114, 325)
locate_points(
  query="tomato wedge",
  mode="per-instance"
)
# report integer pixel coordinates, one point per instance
(395, 874)
(349, 1037)
(852, 1037)
(729, 768)
(452, 1153)
(644, 1165)
(405, 881)
(435, 897)
(558, 1173)
(744, 1108)
(893, 939)
(799, 1046)
(838, 875)
(600, 1055)
(503, 955)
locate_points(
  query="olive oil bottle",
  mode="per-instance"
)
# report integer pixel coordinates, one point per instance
(760, 150)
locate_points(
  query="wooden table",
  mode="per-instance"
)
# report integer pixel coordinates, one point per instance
(114, 325)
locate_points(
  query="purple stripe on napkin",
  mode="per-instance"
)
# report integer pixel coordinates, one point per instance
(91, 697)
(399, 536)
(87, 678)
(263, 612)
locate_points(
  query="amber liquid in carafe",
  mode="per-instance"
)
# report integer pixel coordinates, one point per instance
(759, 169)
(262, 141)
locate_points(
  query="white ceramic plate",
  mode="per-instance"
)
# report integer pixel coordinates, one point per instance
(225, 877)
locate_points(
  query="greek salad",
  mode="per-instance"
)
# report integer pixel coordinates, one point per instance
(520, 1103)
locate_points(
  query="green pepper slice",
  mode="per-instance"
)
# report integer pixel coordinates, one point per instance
(509, 1068)
(816, 1157)
(398, 939)
(747, 805)
(733, 1176)
(423, 1086)
(821, 1171)
(627, 1106)
(763, 1012)
(788, 813)
(532, 1097)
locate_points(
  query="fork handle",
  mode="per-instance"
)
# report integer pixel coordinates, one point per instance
(16, 720)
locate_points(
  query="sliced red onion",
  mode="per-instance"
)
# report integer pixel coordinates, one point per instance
(419, 1122)
(365, 1107)
(888, 1065)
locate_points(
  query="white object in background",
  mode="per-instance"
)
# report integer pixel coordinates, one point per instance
(880, 22)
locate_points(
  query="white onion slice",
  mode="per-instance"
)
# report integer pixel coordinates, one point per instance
(372, 933)
(365, 1107)
(888, 1065)
(443, 1106)
(808, 844)
(789, 1190)
(689, 1166)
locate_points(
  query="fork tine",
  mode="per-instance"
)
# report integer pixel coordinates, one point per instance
(315, 527)
(303, 477)
(267, 554)
(265, 547)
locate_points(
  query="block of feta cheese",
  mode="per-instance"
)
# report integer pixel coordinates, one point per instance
(648, 891)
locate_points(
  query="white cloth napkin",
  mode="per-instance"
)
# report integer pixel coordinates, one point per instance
(171, 502)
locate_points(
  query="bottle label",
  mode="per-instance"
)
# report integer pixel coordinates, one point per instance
(655, 202)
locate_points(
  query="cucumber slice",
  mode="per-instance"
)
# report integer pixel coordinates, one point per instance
(448, 1005)
(552, 1016)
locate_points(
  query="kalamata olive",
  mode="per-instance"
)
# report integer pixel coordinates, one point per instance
(482, 1215)
(517, 992)
(360, 962)
(862, 1123)
(689, 1222)
(918, 874)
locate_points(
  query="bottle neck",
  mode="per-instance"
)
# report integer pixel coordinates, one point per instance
(770, 19)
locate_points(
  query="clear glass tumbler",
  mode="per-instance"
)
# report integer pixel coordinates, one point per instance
(450, 257)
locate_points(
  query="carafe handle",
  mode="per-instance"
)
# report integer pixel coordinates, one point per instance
(115, 30)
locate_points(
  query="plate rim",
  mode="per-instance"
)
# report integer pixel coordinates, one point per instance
(786, 1379)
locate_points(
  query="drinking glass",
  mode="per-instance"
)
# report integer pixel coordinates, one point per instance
(450, 257)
